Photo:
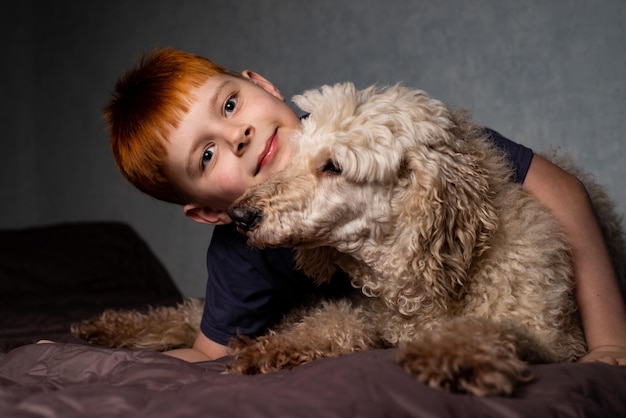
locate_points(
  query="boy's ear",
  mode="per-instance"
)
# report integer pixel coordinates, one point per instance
(206, 215)
(262, 82)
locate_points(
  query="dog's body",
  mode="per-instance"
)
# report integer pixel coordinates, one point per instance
(457, 264)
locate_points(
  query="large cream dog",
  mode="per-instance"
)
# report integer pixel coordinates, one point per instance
(451, 261)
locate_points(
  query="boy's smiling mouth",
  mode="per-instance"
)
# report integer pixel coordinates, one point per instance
(268, 152)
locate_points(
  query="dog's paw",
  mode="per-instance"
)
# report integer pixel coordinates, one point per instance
(95, 331)
(481, 371)
(264, 355)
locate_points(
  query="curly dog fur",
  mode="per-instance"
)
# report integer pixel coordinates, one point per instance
(457, 265)
(159, 328)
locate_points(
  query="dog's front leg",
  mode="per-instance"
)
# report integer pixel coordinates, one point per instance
(471, 355)
(331, 329)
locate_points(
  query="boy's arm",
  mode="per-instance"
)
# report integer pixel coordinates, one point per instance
(203, 349)
(600, 302)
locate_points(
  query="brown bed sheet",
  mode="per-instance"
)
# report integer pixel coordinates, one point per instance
(73, 380)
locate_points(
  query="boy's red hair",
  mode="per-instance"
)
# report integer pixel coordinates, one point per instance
(148, 102)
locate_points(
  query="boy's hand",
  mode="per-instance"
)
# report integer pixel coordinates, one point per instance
(610, 354)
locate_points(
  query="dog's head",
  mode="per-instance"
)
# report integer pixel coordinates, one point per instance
(377, 169)
(338, 185)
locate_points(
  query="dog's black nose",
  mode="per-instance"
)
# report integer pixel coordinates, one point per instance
(244, 217)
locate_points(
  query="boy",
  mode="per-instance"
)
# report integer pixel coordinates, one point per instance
(188, 131)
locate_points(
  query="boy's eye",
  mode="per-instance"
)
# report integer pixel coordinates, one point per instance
(207, 155)
(230, 105)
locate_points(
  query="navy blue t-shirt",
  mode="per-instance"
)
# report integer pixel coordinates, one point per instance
(249, 290)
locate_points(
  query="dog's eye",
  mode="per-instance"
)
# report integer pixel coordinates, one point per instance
(331, 168)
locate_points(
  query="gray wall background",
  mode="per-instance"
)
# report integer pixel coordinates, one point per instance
(544, 73)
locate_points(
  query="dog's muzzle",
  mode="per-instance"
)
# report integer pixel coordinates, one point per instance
(245, 217)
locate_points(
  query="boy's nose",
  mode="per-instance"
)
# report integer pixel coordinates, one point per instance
(239, 137)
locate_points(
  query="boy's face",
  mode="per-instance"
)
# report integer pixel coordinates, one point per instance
(235, 135)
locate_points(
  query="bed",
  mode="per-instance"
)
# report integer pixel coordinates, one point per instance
(54, 275)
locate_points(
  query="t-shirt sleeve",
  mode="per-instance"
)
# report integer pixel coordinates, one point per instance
(238, 290)
(518, 155)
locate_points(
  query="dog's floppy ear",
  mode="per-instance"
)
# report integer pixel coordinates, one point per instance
(454, 215)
